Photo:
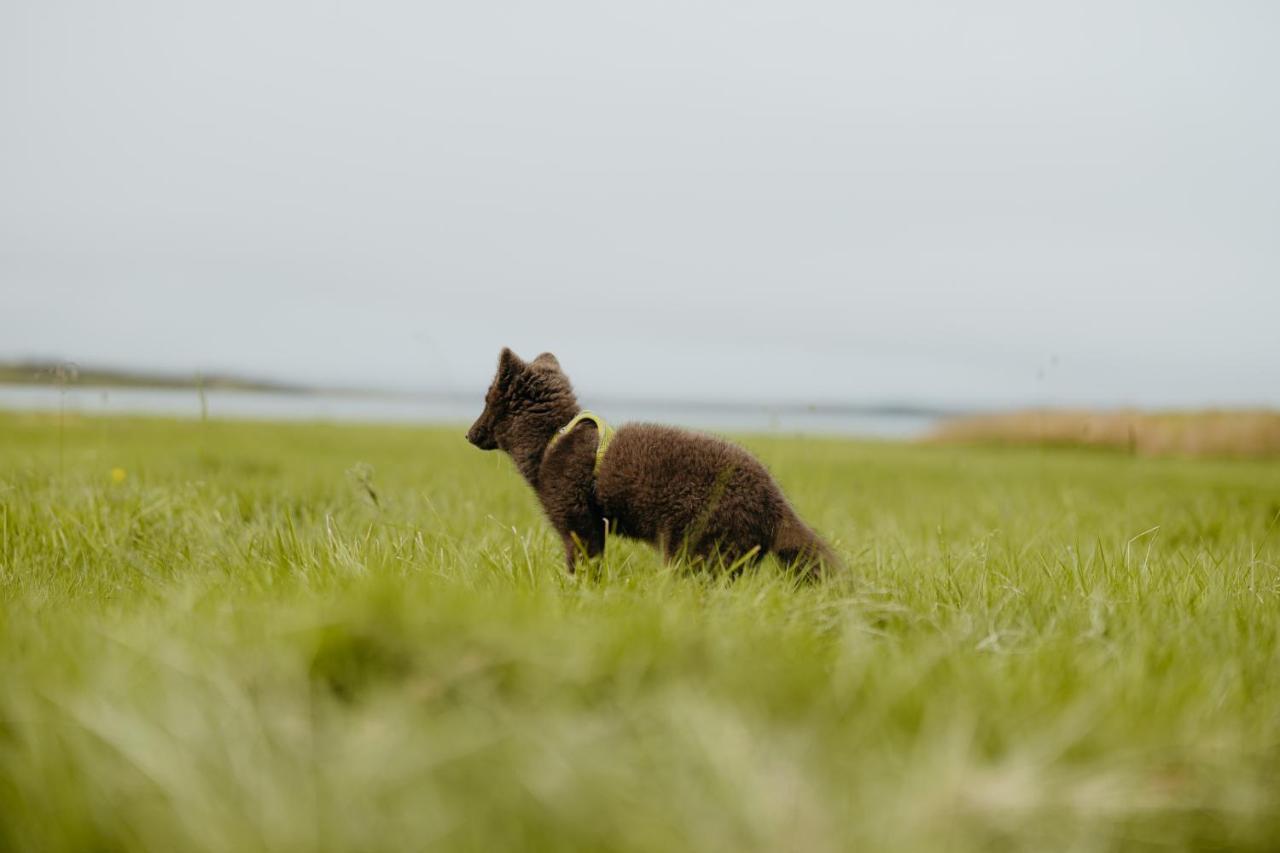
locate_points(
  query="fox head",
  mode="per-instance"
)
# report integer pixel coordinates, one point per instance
(526, 402)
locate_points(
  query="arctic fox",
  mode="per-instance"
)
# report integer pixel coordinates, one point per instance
(684, 492)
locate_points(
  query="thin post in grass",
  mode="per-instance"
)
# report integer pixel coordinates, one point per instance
(204, 413)
(62, 416)
(65, 371)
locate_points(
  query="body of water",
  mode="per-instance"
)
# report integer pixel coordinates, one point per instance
(410, 409)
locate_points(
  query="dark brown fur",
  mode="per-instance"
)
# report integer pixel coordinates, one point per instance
(682, 491)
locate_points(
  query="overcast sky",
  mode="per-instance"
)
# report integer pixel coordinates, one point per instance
(930, 202)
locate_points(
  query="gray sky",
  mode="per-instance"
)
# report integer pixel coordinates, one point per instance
(930, 202)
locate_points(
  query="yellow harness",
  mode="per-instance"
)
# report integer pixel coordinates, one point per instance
(604, 435)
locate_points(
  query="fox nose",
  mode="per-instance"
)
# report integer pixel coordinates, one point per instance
(481, 436)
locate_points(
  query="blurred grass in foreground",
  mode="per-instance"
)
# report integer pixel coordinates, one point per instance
(228, 636)
(1225, 433)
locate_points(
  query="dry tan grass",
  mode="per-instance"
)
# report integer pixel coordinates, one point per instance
(1197, 433)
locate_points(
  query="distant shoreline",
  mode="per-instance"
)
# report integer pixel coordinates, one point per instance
(55, 373)
(43, 373)
(439, 407)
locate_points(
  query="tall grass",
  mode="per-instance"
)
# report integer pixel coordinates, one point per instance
(289, 637)
(1223, 433)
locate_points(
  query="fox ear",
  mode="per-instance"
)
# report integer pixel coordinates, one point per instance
(509, 364)
(547, 360)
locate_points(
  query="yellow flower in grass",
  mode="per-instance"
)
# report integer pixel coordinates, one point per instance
(117, 475)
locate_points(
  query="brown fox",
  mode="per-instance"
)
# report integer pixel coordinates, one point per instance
(684, 492)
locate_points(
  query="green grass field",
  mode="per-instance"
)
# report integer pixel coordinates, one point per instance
(231, 644)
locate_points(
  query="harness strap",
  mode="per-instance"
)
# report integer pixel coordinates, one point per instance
(604, 434)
